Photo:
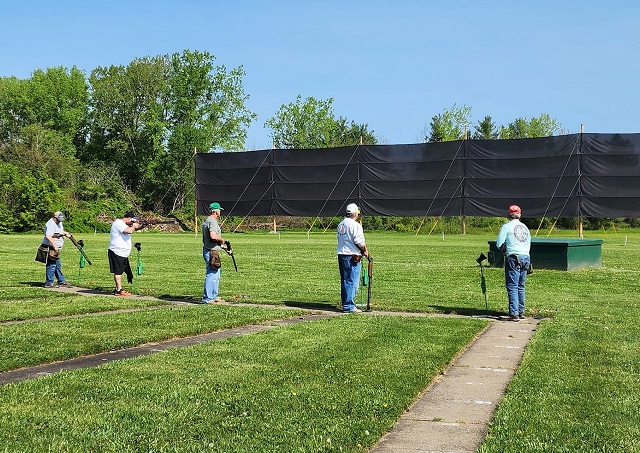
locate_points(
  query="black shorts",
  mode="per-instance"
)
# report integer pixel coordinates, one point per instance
(117, 264)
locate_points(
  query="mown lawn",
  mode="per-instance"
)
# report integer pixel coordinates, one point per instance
(576, 390)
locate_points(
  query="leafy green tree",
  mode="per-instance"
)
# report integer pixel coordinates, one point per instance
(312, 124)
(352, 133)
(43, 153)
(541, 126)
(152, 115)
(56, 99)
(42, 120)
(26, 199)
(206, 112)
(303, 124)
(14, 102)
(59, 98)
(449, 125)
(486, 130)
(127, 123)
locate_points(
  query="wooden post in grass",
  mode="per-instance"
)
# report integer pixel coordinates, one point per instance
(580, 235)
(195, 197)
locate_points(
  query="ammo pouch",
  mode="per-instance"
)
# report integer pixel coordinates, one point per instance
(355, 259)
(214, 260)
(529, 265)
(54, 254)
(42, 253)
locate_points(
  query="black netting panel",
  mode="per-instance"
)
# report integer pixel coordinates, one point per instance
(595, 175)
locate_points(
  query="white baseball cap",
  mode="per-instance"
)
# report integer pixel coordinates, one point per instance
(353, 209)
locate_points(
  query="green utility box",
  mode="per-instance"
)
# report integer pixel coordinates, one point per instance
(557, 253)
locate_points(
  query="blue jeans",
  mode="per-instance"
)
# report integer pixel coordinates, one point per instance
(349, 281)
(515, 276)
(211, 280)
(54, 270)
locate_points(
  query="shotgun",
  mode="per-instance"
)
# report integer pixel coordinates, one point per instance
(80, 246)
(227, 247)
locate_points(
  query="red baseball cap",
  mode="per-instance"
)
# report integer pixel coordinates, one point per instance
(514, 209)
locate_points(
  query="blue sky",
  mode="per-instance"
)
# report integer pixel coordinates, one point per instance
(390, 64)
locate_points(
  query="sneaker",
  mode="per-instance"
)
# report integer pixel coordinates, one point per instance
(354, 310)
(121, 292)
(65, 285)
(218, 300)
(50, 286)
(521, 316)
(514, 318)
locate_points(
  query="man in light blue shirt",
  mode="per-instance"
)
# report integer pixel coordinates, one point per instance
(515, 241)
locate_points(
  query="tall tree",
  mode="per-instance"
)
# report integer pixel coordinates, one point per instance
(59, 100)
(486, 130)
(56, 98)
(128, 123)
(206, 112)
(312, 124)
(14, 106)
(541, 126)
(449, 125)
(150, 116)
(303, 124)
(347, 134)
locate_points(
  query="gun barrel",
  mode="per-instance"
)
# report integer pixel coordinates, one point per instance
(80, 248)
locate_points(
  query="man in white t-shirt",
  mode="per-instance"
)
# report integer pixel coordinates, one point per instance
(120, 249)
(54, 235)
(351, 248)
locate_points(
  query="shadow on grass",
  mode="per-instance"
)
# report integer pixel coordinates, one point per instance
(311, 305)
(33, 284)
(466, 311)
(101, 291)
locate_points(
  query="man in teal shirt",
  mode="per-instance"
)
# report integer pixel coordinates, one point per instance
(515, 240)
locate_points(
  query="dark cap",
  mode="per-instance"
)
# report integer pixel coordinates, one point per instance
(129, 215)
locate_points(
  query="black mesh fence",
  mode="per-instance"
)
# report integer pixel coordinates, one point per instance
(589, 175)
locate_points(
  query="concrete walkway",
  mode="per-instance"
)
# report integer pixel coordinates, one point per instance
(451, 415)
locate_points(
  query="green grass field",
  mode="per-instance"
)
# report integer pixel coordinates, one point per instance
(332, 385)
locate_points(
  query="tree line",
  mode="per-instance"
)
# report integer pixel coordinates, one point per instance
(124, 136)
